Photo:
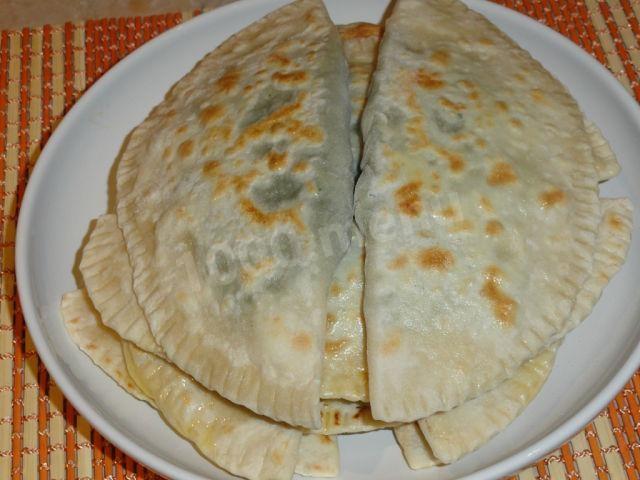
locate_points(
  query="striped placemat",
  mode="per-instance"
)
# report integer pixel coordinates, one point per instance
(44, 70)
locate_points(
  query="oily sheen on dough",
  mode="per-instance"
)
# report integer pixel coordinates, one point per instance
(197, 412)
(452, 434)
(236, 216)
(478, 203)
(231, 436)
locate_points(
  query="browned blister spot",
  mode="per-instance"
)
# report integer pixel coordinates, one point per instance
(615, 222)
(301, 166)
(311, 186)
(210, 113)
(504, 307)
(408, 199)
(278, 457)
(91, 346)
(458, 137)
(301, 342)
(166, 152)
(501, 174)
(334, 347)
(456, 163)
(326, 439)
(435, 258)
(209, 168)
(391, 345)
(481, 143)
(279, 59)
(399, 262)
(216, 134)
(466, 84)
(485, 41)
(364, 411)
(461, 226)
(267, 219)
(537, 95)
(331, 319)
(417, 133)
(185, 149)
(336, 418)
(276, 161)
(486, 204)
(516, 123)
(228, 81)
(335, 289)
(473, 95)
(309, 16)
(441, 57)
(222, 184)
(298, 76)
(502, 106)
(300, 131)
(551, 198)
(276, 122)
(181, 212)
(446, 103)
(493, 228)
(360, 30)
(428, 80)
(448, 212)
(412, 103)
(242, 181)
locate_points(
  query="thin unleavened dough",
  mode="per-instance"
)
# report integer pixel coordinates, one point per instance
(231, 436)
(415, 449)
(607, 165)
(614, 237)
(235, 201)
(465, 428)
(101, 344)
(318, 456)
(478, 204)
(108, 277)
(452, 434)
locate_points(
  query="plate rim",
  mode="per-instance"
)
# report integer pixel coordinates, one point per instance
(140, 453)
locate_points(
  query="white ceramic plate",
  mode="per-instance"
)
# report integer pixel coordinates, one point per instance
(69, 187)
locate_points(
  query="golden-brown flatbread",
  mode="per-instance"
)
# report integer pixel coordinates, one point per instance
(236, 216)
(478, 203)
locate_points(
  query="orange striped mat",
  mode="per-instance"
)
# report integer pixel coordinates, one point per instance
(44, 70)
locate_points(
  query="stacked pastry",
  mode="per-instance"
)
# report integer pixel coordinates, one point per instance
(230, 288)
